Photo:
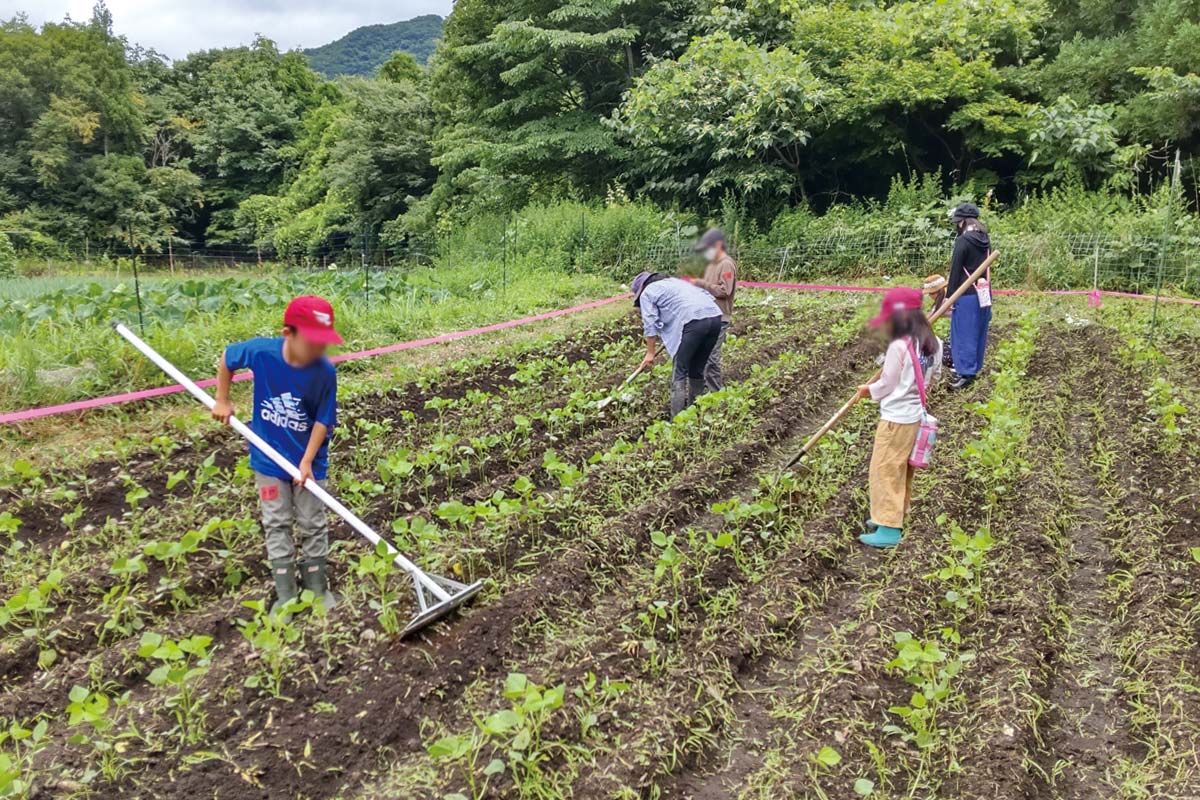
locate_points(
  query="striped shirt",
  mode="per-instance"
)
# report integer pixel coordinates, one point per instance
(670, 304)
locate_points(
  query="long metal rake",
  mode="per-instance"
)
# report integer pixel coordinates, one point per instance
(436, 596)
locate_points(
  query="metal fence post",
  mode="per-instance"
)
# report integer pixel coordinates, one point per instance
(1162, 249)
(137, 286)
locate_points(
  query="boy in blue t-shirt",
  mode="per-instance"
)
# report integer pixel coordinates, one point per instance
(295, 407)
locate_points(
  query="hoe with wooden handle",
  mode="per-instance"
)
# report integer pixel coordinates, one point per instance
(613, 396)
(849, 404)
(436, 596)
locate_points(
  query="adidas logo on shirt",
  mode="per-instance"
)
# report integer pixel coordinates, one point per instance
(284, 411)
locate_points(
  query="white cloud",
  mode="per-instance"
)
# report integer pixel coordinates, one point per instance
(178, 27)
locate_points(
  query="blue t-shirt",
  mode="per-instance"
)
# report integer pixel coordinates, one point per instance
(287, 401)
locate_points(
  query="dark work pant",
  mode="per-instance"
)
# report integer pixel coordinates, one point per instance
(695, 346)
(714, 376)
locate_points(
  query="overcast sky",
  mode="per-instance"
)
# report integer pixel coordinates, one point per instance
(178, 27)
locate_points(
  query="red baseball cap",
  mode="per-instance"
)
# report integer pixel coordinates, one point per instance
(900, 298)
(312, 317)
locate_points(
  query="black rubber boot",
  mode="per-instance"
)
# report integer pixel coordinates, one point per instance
(696, 387)
(284, 573)
(315, 576)
(679, 397)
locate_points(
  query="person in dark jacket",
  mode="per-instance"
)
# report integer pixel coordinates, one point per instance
(969, 322)
(688, 321)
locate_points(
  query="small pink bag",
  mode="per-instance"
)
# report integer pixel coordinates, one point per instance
(922, 451)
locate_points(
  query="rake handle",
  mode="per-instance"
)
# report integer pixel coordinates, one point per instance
(934, 317)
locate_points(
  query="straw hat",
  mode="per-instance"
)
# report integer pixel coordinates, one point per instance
(933, 284)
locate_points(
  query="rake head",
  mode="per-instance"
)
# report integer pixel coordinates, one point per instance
(432, 609)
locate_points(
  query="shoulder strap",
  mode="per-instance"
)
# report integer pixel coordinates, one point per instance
(918, 373)
(987, 276)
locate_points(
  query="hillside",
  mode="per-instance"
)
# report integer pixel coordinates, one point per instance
(364, 49)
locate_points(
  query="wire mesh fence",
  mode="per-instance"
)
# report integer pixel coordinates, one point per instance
(1046, 261)
(1038, 260)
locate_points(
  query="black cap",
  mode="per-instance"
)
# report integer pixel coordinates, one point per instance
(711, 237)
(965, 211)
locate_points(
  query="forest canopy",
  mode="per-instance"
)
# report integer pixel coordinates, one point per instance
(364, 50)
(685, 103)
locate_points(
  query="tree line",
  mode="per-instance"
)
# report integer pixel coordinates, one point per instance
(688, 104)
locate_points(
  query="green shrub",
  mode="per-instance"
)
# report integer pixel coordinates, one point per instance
(8, 257)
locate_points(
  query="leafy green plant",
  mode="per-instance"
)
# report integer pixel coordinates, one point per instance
(179, 667)
(89, 711)
(23, 475)
(126, 614)
(205, 473)
(593, 696)
(19, 747)
(276, 639)
(514, 734)
(963, 570)
(135, 493)
(9, 525)
(174, 555)
(378, 568)
(30, 608)
(1164, 402)
(925, 665)
(567, 475)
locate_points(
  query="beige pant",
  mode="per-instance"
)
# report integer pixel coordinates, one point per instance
(891, 476)
(285, 507)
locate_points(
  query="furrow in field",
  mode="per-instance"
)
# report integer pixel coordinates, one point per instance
(77, 631)
(823, 685)
(1086, 734)
(487, 639)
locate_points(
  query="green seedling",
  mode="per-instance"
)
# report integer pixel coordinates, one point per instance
(135, 493)
(1163, 399)
(593, 696)
(175, 478)
(205, 473)
(174, 556)
(930, 669)
(9, 525)
(567, 475)
(70, 518)
(179, 667)
(378, 567)
(276, 639)
(23, 475)
(963, 570)
(19, 747)
(88, 711)
(125, 611)
(30, 609)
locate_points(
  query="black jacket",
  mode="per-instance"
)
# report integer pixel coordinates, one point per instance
(970, 249)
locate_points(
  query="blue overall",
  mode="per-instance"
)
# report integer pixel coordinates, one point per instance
(968, 334)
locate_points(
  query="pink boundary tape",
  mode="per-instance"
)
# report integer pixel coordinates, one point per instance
(160, 391)
(145, 394)
(819, 287)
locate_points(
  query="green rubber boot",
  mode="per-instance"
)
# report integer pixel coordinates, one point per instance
(314, 574)
(882, 537)
(284, 572)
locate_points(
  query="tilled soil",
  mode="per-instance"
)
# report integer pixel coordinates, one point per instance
(1084, 651)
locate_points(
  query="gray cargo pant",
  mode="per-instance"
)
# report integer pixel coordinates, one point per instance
(714, 378)
(283, 506)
